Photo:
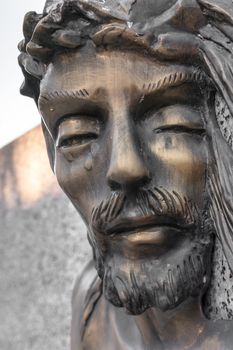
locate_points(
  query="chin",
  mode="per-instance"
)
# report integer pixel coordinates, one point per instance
(163, 282)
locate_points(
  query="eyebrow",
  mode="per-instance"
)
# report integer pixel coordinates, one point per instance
(175, 79)
(48, 97)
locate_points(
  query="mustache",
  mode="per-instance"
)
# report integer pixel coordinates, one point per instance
(158, 203)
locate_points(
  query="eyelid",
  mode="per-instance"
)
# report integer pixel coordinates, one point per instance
(176, 114)
(77, 126)
(179, 128)
(77, 140)
(87, 135)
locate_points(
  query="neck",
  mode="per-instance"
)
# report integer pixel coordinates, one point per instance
(182, 326)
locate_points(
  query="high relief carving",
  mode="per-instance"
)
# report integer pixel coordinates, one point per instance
(136, 99)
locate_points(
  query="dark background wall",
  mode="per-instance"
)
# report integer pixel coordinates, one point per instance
(42, 247)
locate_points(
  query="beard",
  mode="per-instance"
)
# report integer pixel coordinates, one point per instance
(162, 282)
(139, 285)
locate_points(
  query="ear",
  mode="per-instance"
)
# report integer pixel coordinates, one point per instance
(49, 144)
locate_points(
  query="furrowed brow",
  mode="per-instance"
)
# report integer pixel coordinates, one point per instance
(174, 79)
(51, 96)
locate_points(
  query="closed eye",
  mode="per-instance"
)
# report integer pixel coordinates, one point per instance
(78, 140)
(180, 129)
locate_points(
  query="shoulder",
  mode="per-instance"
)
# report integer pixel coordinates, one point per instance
(87, 292)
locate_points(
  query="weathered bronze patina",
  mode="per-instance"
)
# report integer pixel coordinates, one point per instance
(136, 99)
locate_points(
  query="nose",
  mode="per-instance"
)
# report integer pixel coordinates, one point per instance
(127, 167)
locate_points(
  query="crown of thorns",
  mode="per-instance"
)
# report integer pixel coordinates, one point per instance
(70, 24)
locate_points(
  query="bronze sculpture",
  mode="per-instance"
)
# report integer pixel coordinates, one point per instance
(136, 102)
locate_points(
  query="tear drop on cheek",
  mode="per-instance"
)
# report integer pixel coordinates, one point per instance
(89, 163)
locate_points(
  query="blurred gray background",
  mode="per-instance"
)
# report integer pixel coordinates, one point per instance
(18, 114)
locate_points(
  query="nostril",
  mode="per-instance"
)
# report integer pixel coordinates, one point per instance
(144, 181)
(115, 186)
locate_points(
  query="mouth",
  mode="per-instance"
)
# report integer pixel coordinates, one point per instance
(134, 224)
(147, 230)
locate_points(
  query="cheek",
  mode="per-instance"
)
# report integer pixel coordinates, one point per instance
(80, 178)
(180, 163)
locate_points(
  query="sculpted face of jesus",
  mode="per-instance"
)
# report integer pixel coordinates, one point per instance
(131, 152)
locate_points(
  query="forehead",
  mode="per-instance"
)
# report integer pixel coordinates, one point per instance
(107, 70)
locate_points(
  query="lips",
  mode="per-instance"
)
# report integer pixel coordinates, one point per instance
(130, 225)
(142, 236)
